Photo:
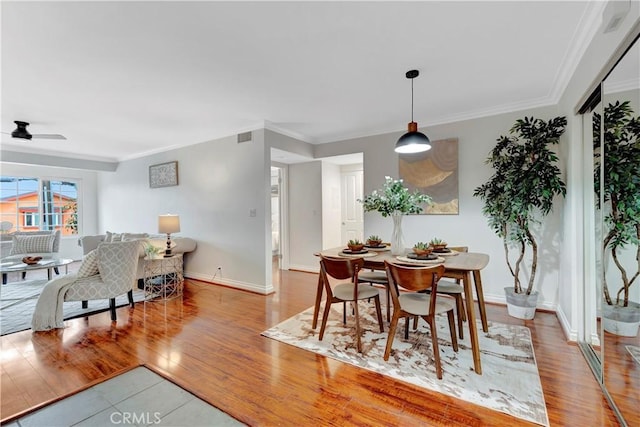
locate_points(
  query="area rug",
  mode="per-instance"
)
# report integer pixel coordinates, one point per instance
(18, 301)
(634, 351)
(510, 382)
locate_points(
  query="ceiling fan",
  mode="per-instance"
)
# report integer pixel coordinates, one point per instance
(22, 132)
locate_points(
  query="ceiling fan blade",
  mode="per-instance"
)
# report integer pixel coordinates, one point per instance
(48, 136)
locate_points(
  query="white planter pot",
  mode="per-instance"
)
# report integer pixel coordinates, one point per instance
(521, 306)
(622, 321)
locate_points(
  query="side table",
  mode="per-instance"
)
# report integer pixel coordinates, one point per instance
(163, 277)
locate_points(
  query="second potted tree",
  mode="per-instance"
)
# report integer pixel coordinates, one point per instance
(519, 194)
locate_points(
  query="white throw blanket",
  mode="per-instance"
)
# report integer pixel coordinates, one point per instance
(49, 308)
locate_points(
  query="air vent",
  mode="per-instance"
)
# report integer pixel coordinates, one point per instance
(244, 137)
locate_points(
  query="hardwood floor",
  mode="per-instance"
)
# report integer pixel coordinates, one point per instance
(209, 343)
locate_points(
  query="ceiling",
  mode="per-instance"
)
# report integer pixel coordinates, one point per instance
(121, 79)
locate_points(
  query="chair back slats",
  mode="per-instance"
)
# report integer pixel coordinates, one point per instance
(341, 268)
(414, 279)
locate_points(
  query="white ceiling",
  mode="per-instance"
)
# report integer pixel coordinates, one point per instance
(123, 79)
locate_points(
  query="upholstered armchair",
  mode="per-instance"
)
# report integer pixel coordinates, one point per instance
(106, 272)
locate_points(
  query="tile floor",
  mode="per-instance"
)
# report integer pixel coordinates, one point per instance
(139, 397)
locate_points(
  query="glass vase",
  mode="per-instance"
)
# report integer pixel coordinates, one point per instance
(397, 239)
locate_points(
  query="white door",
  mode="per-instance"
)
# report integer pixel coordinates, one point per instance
(352, 213)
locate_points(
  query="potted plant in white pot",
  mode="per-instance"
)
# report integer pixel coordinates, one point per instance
(519, 194)
(395, 200)
(617, 186)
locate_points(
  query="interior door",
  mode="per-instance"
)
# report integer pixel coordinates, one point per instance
(352, 213)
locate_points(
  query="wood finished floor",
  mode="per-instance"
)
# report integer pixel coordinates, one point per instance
(209, 343)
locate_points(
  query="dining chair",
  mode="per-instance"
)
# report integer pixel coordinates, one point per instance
(340, 269)
(378, 278)
(415, 302)
(455, 289)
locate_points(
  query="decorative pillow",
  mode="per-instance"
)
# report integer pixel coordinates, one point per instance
(56, 241)
(112, 237)
(134, 236)
(89, 266)
(40, 243)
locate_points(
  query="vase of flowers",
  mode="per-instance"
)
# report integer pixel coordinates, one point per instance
(395, 200)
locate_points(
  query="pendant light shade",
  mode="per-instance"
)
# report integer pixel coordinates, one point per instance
(412, 141)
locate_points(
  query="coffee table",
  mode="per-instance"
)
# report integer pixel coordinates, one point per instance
(17, 266)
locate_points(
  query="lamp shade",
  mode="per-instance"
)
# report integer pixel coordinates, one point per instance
(413, 141)
(168, 224)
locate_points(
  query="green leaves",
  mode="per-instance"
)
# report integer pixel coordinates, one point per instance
(525, 182)
(394, 197)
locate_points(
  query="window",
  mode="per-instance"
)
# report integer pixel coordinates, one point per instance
(38, 204)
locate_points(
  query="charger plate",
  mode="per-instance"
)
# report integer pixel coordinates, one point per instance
(408, 260)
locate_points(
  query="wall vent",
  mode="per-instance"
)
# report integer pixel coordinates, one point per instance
(244, 137)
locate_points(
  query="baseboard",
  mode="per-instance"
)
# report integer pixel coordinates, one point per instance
(237, 284)
(569, 333)
(304, 268)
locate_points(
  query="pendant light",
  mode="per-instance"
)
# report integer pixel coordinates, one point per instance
(412, 141)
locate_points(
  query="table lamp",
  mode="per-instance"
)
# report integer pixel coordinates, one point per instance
(168, 224)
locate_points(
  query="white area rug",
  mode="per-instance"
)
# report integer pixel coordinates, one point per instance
(18, 300)
(510, 382)
(634, 352)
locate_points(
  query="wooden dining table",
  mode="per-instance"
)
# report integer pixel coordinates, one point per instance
(462, 265)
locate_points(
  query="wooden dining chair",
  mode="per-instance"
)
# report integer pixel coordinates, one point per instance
(455, 289)
(378, 278)
(415, 302)
(341, 269)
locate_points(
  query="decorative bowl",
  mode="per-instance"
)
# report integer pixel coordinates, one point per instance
(439, 246)
(31, 260)
(356, 248)
(374, 243)
(421, 252)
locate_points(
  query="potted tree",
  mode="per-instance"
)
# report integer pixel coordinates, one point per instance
(617, 186)
(395, 200)
(519, 194)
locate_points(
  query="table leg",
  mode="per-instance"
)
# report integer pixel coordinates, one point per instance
(4, 278)
(49, 273)
(480, 293)
(316, 307)
(471, 320)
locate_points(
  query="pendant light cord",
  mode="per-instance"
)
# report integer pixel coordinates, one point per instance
(412, 99)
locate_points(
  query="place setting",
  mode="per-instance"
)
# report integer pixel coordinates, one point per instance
(430, 253)
(355, 248)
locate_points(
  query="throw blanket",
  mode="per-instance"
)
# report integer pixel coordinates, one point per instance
(48, 313)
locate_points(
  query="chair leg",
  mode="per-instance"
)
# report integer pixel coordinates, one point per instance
(357, 316)
(24, 275)
(379, 311)
(392, 332)
(327, 307)
(388, 303)
(434, 341)
(130, 295)
(85, 304)
(56, 270)
(452, 329)
(460, 315)
(344, 312)
(112, 308)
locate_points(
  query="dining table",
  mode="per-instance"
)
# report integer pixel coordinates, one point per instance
(463, 266)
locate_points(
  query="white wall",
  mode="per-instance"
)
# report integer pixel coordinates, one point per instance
(220, 183)
(305, 215)
(331, 205)
(87, 197)
(470, 227)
